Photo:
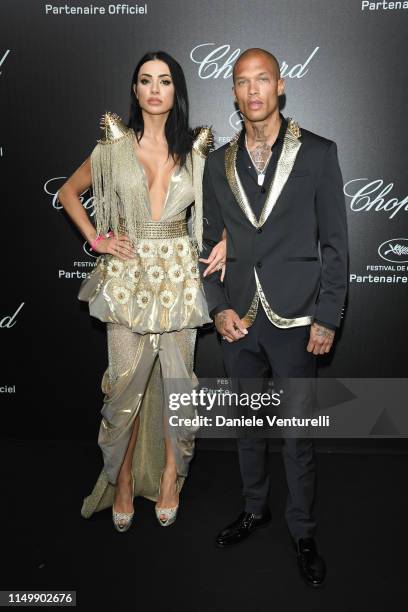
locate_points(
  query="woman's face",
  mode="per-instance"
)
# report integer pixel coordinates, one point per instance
(154, 88)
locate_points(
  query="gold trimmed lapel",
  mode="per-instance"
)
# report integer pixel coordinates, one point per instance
(290, 149)
(234, 182)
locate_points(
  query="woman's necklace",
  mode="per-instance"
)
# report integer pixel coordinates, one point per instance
(259, 161)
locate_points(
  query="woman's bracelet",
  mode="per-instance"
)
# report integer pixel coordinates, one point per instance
(95, 241)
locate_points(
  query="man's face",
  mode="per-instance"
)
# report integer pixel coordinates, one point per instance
(257, 87)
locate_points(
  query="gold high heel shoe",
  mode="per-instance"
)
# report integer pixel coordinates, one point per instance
(170, 513)
(123, 520)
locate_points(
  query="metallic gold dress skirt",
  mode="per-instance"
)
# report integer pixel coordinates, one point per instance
(143, 370)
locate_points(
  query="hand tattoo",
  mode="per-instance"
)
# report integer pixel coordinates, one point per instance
(220, 318)
(323, 331)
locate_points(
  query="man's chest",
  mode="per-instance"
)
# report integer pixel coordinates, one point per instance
(280, 196)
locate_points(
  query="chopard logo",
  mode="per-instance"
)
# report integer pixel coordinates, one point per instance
(394, 250)
(371, 196)
(218, 62)
(10, 320)
(52, 190)
(3, 59)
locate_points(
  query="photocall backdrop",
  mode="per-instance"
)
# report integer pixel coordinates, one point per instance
(63, 65)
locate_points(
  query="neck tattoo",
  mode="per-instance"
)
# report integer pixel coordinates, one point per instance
(262, 152)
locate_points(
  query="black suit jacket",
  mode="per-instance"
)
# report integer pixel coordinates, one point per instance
(300, 252)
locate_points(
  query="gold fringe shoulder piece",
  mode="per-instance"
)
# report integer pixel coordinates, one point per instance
(294, 128)
(112, 127)
(203, 141)
(202, 145)
(105, 164)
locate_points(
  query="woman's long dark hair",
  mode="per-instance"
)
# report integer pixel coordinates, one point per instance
(179, 136)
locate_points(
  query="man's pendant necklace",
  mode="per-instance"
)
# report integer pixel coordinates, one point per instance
(261, 178)
(260, 173)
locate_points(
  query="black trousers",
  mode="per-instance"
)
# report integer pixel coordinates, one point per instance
(268, 351)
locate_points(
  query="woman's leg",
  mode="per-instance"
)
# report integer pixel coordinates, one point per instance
(131, 359)
(169, 496)
(123, 493)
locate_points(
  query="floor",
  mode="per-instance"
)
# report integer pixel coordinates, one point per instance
(361, 505)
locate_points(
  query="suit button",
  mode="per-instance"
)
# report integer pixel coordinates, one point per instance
(263, 190)
(259, 230)
(259, 264)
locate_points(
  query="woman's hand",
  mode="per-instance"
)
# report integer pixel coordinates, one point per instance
(216, 259)
(120, 246)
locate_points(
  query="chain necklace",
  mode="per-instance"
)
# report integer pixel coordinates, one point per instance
(260, 173)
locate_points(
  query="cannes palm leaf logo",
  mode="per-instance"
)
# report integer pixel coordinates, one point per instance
(394, 250)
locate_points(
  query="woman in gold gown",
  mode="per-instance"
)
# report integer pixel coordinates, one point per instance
(145, 176)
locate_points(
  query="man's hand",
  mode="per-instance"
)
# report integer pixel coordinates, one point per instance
(321, 339)
(229, 325)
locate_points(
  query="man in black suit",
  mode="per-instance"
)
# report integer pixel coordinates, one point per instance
(277, 189)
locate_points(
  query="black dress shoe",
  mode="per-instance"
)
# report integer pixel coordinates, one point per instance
(240, 529)
(311, 565)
